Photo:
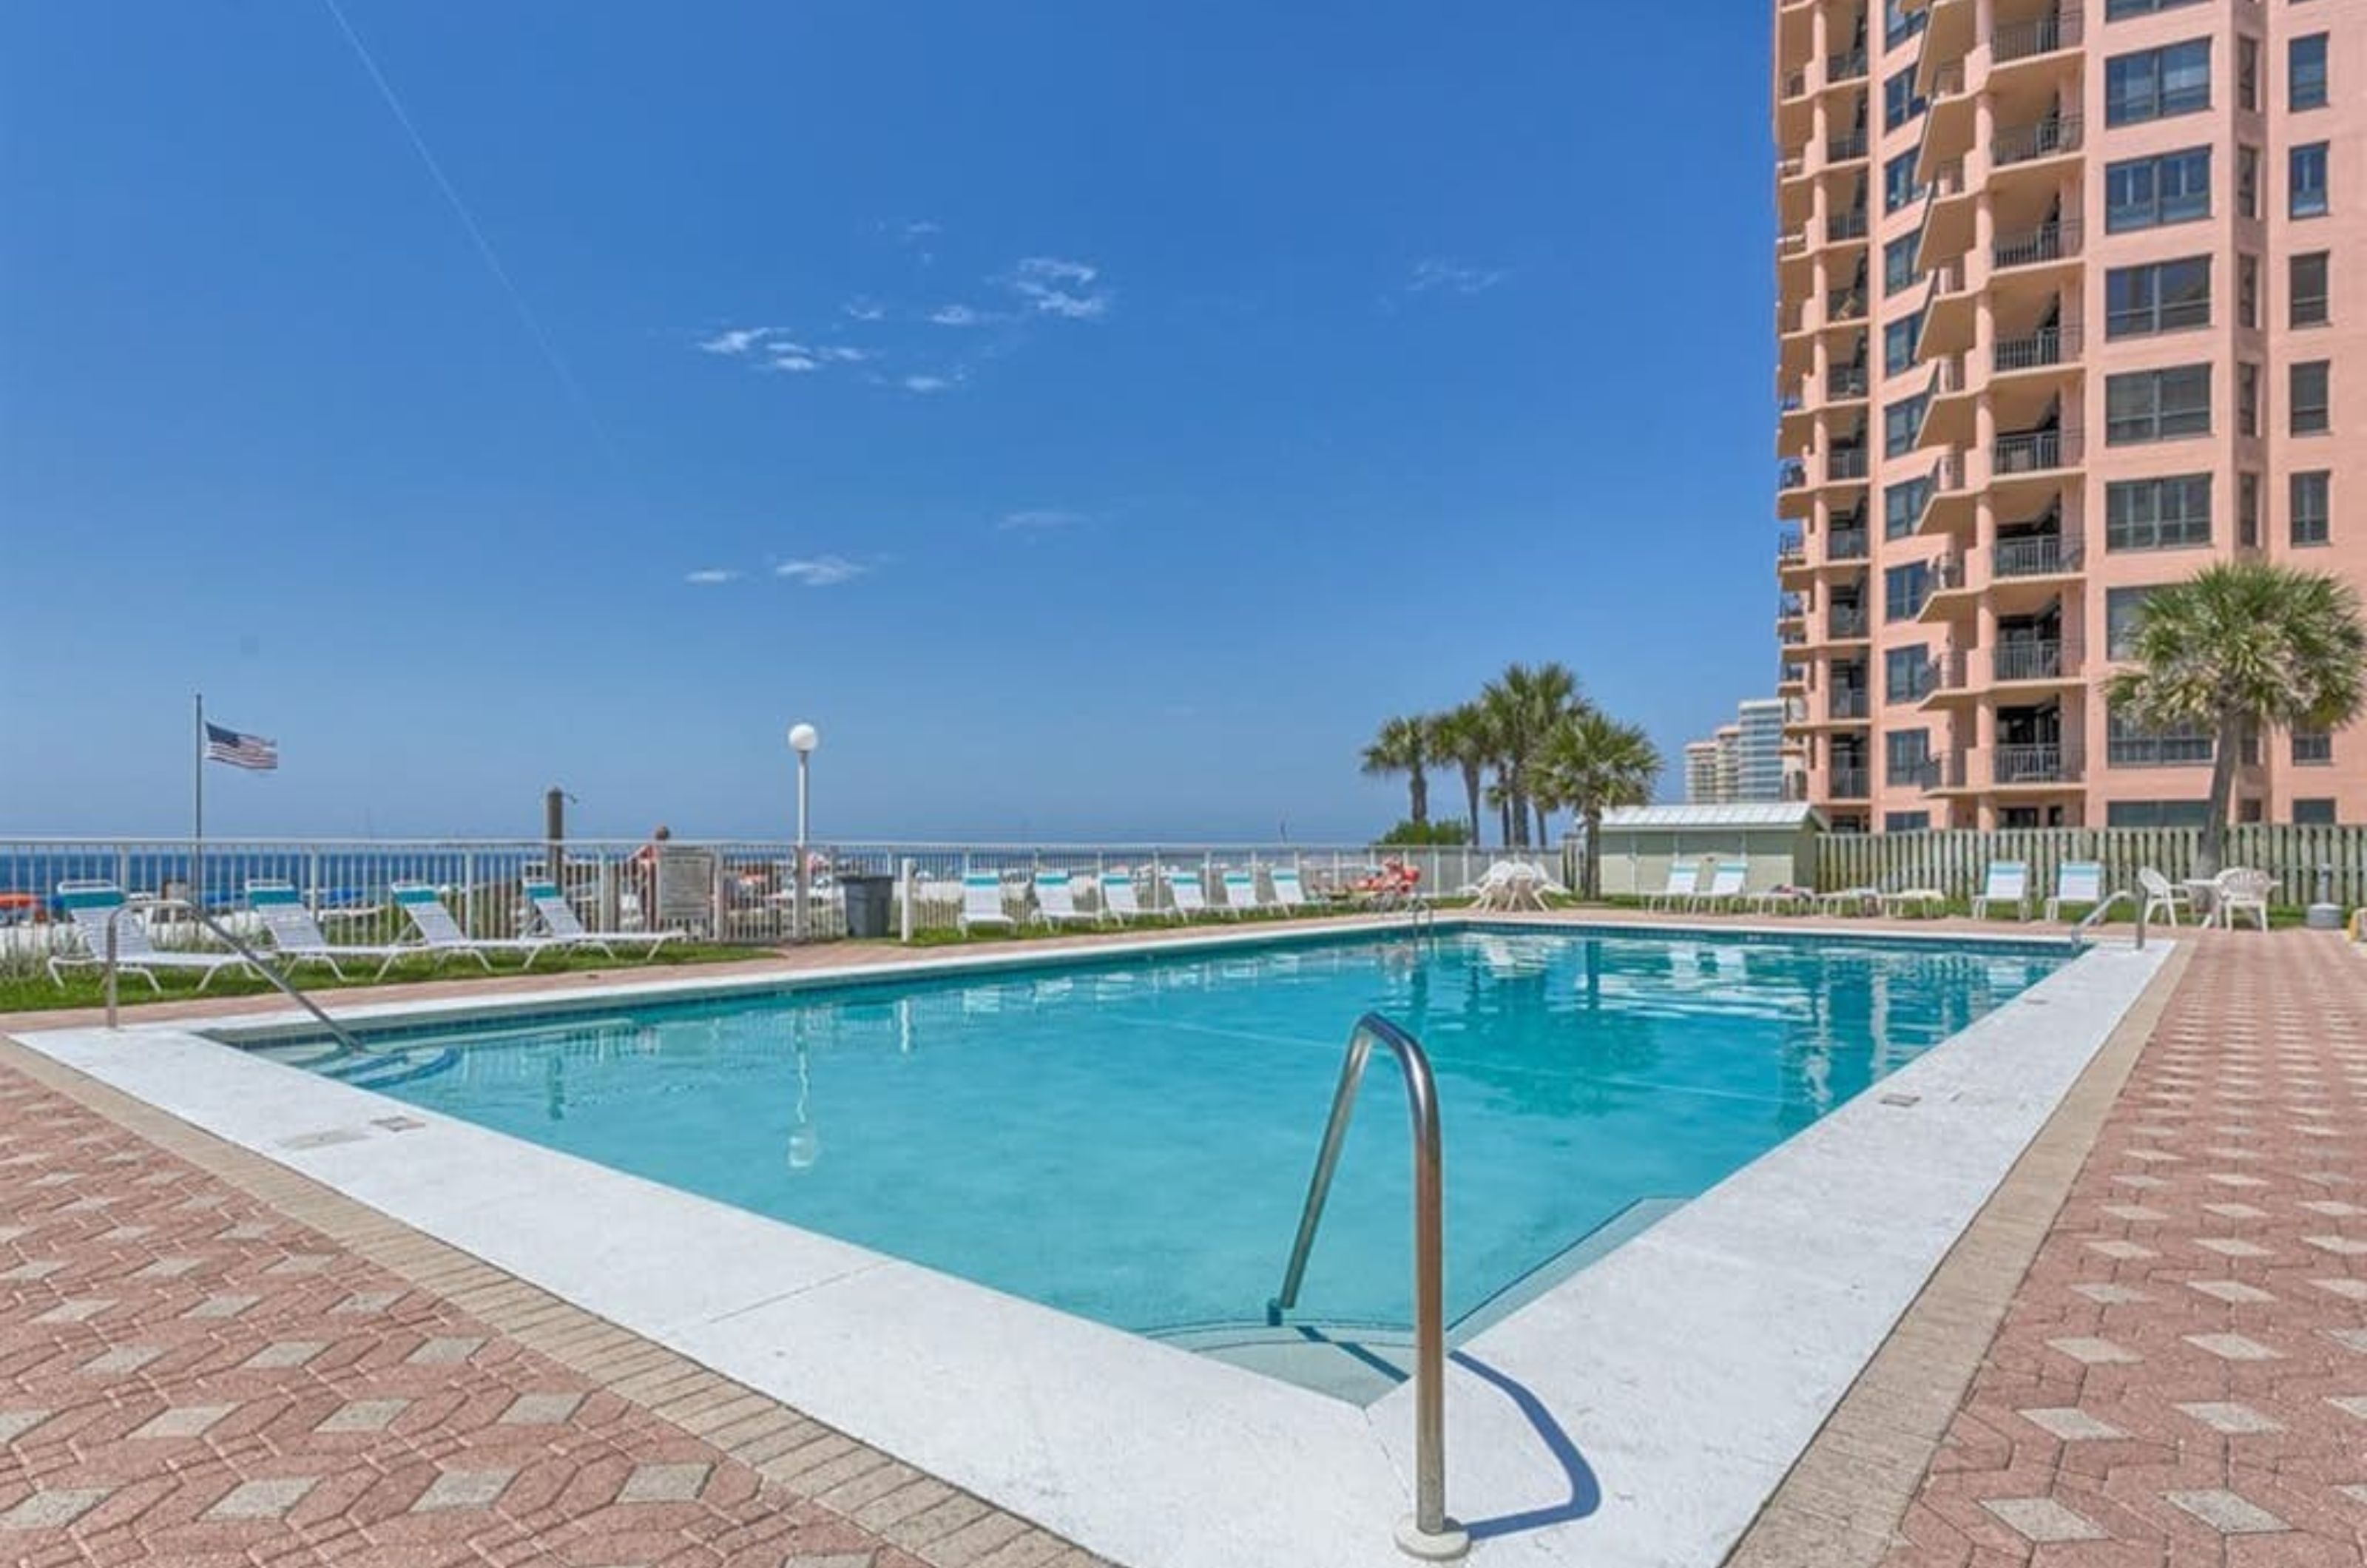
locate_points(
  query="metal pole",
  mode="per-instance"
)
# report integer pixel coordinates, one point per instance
(909, 884)
(554, 833)
(112, 916)
(799, 917)
(1428, 1533)
(198, 806)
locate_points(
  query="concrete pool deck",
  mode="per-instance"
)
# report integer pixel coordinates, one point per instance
(1682, 1414)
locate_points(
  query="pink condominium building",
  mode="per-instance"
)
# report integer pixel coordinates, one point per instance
(2071, 302)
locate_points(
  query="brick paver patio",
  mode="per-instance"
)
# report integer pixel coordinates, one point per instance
(190, 1376)
(2181, 1377)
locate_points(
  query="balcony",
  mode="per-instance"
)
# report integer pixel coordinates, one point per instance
(1790, 550)
(1924, 773)
(1847, 783)
(1843, 382)
(1847, 703)
(2048, 763)
(1845, 305)
(2048, 138)
(2128, 749)
(2017, 658)
(1843, 149)
(1845, 622)
(2034, 452)
(1848, 544)
(1850, 225)
(2031, 247)
(1844, 463)
(2040, 555)
(2049, 345)
(2042, 35)
(1790, 474)
(1795, 82)
(1790, 607)
(1791, 243)
(1949, 671)
(1840, 68)
(1791, 676)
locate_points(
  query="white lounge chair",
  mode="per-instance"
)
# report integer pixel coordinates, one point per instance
(89, 903)
(2242, 890)
(2076, 882)
(1684, 882)
(2163, 896)
(440, 935)
(1725, 886)
(1915, 901)
(1119, 900)
(1783, 899)
(1858, 900)
(296, 935)
(2008, 884)
(560, 923)
(1240, 888)
(1189, 894)
(1056, 900)
(1289, 893)
(982, 901)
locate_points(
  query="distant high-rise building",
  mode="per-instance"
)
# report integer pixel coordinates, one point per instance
(2071, 302)
(1744, 760)
(1701, 772)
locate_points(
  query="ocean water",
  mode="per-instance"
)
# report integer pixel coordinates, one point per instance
(1130, 1140)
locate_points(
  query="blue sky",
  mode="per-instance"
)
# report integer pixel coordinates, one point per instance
(1095, 418)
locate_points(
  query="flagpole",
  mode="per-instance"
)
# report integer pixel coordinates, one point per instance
(197, 811)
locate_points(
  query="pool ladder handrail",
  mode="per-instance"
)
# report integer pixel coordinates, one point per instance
(254, 959)
(1428, 1533)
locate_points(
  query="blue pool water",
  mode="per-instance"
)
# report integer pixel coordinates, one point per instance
(1130, 1140)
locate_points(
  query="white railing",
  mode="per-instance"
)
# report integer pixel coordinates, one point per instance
(741, 892)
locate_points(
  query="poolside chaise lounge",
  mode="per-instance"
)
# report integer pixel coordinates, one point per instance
(296, 934)
(560, 923)
(1056, 900)
(981, 902)
(2009, 884)
(1914, 900)
(440, 935)
(1289, 892)
(1186, 888)
(2076, 882)
(1120, 900)
(89, 905)
(1858, 900)
(1241, 893)
(1685, 882)
(1725, 887)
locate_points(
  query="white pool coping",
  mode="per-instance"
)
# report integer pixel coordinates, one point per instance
(1689, 1367)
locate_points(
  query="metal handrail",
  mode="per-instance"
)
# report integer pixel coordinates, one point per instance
(1429, 1533)
(254, 959)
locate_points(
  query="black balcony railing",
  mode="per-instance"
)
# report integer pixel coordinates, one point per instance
(1790, 606)
(1845, 702)
(1848, 225)
(2047, 242)
(2034, 659)
(1790, 674)
(1845, 621)
(2034, 451)
(1841, 149)
(2048, 346)
(2046, 139)
(2028, 764)
(1845, 463)
(1918, 772)
(1844, 67)
(1848, 544)
(1847, 783)
(2037, 554)
(2041, 35)
(1845, 305)
(1790, 474)
(1845, 381)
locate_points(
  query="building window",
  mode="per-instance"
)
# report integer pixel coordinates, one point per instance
(2157, 405)
(2248, 74)
(1906, 757)
(1899, 102)
(2307, 181)
(2154, 83)
(2157, 514)
(2316, 813)
(2248, 182)
(1904, 589)
(2116, 9)
(2247, 398)
(1900, 24)
(1906, 822)
(1898, 269)
(2305, 73)
(2247, 290)
(2129, 745)
(1898, 341)
(2309, 508)
(1902, 506)
(2247, 511)
(1899, 187)
(2158, 297)
(1902, 423)
(2309, 397)
(2306, 292)
(1907, 675)
(2145, 193)
(2121, 607)
(2156, 813)
(2313, 748)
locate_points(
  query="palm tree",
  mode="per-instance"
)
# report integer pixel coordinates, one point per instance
(1522, 705)
(2238, 647)
(1589, 762)
(1461, 735)
(1403, 745)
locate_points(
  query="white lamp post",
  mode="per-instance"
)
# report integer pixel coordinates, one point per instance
(803, 738)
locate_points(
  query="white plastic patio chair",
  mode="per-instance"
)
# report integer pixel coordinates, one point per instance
(1056, 900)
(2163, 896)
(2242, 890)
(296, 935)
(89, 905)
(1725, 886)
(1240, 888)
(440, 935)
(982, 901)
(2076, 882)
(1685, 882)
(562, 924)
(1186, 888)
(2009, 884)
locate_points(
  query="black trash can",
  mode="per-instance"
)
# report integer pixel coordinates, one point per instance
(870, 903)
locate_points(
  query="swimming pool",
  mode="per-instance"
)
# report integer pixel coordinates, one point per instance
(1130, 1140)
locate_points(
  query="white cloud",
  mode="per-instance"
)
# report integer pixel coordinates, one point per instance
(838, 354)
(1054, 286)
(961, 316)
(863, 310)
(822, 571)
(1436, 273)
(930, 383)
(735, 340)
(796, 359)
(707, 574)
(1039, 519)
(920, 229)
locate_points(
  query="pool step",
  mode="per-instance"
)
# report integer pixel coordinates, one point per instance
(1357, 1364)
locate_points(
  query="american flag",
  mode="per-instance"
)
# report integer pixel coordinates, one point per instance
(240, 750)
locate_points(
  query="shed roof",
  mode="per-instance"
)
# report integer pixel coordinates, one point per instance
(1747, 814)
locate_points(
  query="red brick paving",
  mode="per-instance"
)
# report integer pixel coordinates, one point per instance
(2182, 1379)
(187, 1376)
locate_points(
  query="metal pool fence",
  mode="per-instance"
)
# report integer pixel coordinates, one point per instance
(741, 892)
